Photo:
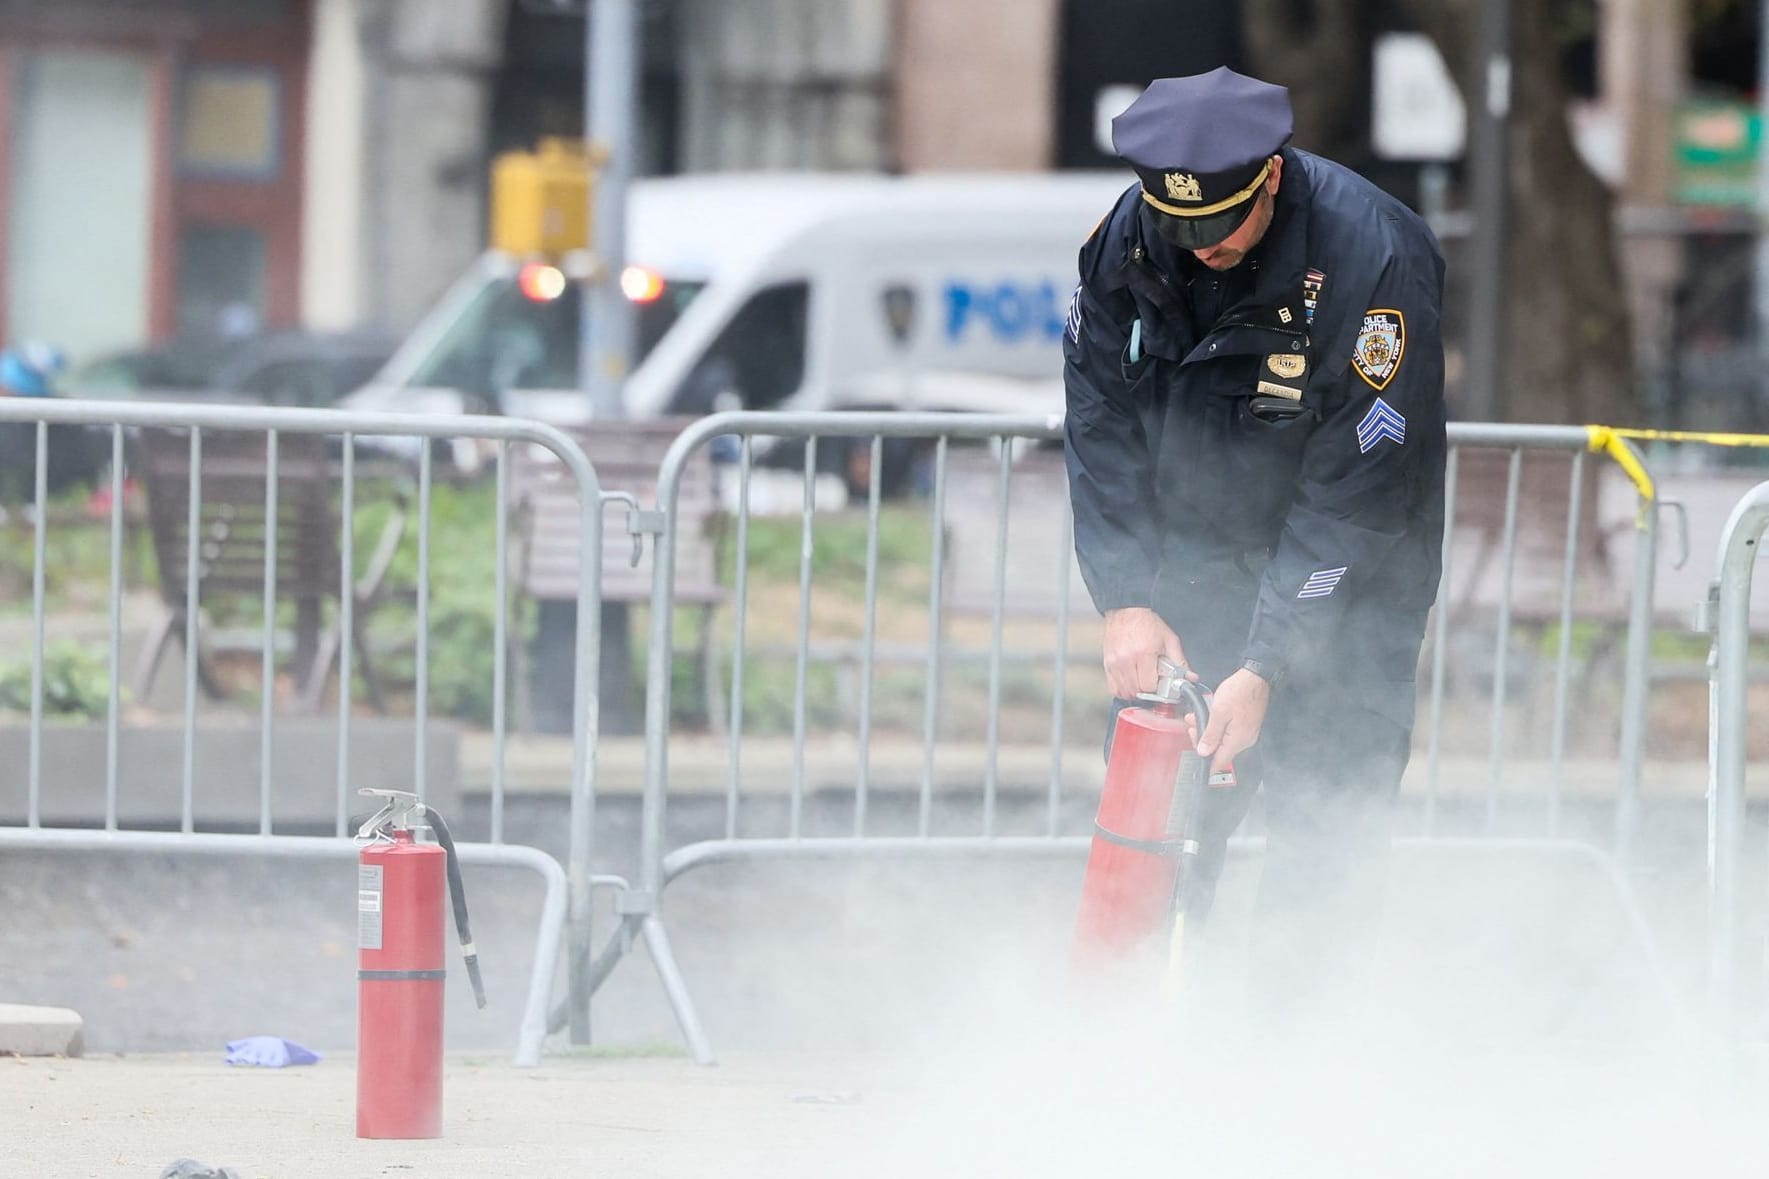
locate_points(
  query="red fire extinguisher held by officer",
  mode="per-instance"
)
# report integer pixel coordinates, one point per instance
(1141, 878)
(400, 891)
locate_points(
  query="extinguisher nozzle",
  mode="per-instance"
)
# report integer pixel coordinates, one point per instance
(478, 983)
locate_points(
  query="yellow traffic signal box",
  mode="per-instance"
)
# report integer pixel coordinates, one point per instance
(540, 200)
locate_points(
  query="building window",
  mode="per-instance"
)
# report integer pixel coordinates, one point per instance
(78, 204)
(221, 281)
(229, 125)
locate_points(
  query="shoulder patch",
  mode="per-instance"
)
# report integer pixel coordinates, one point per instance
(1074, 317)
(1381, 343)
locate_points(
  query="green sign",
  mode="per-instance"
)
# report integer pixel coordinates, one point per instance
(1714, 148)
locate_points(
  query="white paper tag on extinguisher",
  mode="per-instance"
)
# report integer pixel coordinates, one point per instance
(368, 906)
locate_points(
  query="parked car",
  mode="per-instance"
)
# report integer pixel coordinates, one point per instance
(310, 369)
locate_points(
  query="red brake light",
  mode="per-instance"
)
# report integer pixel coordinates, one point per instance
(641, 285)
(540, 282)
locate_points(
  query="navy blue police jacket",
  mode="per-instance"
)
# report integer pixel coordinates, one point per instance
(1265, 447)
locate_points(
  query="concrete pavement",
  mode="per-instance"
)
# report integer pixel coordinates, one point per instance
(1039, 1106)
(634, 1118)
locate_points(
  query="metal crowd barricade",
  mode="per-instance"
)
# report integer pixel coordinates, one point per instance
(566, 901)
(660, 864)
(1514, 441)
(1729, 608)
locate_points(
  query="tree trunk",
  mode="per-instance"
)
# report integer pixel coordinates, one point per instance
(1566, 343)
(1320, 49)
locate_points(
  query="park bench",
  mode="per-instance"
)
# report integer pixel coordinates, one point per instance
(626, 456)
(1475, 583)
(1038, 493)
(231, 548)
(971, 542)
(1603, 563)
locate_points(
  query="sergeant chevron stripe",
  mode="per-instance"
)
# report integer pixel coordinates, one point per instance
(1383, 421)
(1321, 583)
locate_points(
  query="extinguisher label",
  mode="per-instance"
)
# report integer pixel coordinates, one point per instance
(368, 906)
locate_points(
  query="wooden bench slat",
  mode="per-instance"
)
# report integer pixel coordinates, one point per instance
(627, 456)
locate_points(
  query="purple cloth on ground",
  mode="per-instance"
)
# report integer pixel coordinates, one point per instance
(268, 1052)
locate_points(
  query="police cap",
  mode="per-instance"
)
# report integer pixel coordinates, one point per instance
(1202, 146)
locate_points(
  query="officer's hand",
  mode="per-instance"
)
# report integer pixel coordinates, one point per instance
(1236, 713)
(1135, 637)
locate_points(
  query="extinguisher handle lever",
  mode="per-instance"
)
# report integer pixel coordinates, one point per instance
(401, 810)
(1173, 687)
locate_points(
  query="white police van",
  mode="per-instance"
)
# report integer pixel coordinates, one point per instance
(783, 291)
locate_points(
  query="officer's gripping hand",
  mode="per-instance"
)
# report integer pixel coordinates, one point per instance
(1135, 638)
(1236, 713)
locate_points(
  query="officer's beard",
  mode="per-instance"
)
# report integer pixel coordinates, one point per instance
(1233, 250)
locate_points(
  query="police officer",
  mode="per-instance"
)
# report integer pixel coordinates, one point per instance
(1255, 445)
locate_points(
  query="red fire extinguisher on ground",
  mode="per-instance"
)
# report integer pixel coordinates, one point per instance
(1141, 868)
(401, 885)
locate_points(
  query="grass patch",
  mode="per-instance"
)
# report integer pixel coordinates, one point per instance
(838, 549)
(462, 599)
(77, 557)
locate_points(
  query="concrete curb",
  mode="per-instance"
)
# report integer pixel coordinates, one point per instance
(39, 1031)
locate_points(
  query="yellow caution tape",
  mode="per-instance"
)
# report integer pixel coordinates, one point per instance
(1609, 441)
(1711, 438)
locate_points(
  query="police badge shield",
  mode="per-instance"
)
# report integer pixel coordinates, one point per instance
(899, 308)
(1288, 365)
(1380, 344)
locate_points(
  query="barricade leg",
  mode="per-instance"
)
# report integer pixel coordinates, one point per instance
(657, 943)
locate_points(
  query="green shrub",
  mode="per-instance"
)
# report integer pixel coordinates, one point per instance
(76, 682)
(462, 599)
(838, 553)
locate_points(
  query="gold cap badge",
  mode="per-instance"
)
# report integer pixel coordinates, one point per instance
(1183, 186)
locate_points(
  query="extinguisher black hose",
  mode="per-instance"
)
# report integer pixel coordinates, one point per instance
(458, 894)
(1196, 702)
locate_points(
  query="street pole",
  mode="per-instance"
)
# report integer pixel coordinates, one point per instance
(610, 72)
(605, 349)
(1489, 145)
(1762, 252)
